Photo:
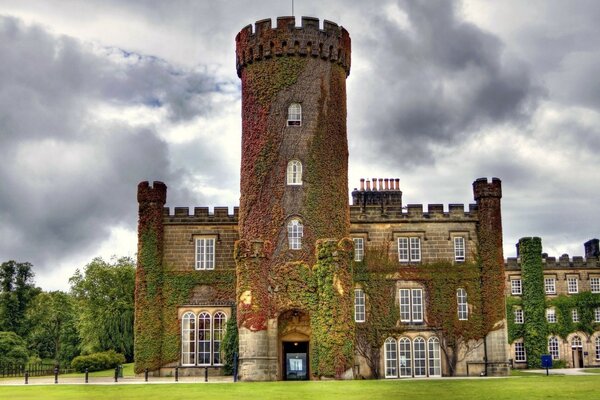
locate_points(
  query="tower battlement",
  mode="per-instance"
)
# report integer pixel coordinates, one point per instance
(286, 39)
(482, 188)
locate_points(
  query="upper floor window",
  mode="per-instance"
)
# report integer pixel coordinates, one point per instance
(551, 315)
(205, 253)
(294, 115)
(295, 229)
(459, 248)
(518, 316)
(359, 305)
(463, 308)
(294, 173)
(595, 285)
(572, 285)
(574, 315)
(359, 249)
(409, 249)
(597, 314)
(550, 285)
(515, 286)
(411, 305)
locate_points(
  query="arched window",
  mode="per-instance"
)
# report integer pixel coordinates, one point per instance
(576, 342)
(204, 339)
(294, 173)
(219, 321)
(463, 308)
(435, 364)
(553, 347)
(391, 358)
(294, 115)
(188, 339)
(420, 357)
(295, 234)
(405, 357)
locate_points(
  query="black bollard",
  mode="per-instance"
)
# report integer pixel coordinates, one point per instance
(86, 375)
(26, 377)
(235, 367)
(146, 375)
(176, 374)
(55, 374)
(117, 373)
(205, 374)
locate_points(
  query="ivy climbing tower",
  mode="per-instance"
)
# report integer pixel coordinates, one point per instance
(293, 280)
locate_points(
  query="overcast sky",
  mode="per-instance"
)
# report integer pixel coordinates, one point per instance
(98, 95)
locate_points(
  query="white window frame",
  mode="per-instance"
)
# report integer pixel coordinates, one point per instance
(574, 315)
(553, 347)
(434, 357)
(597, 314)
(294, 115)
(462, 304)
(188, 339)
(359, 249)
(405, 357)
(205, 249)
(419, 357)
(550, 285)
(518, 315)
(516, 289)
(598, 348)
(520, 353)
(409, 249)
(295, 234)
(294, 173)
(572, 285)
(219, 325)
(359, 305)
(459, 249)
(595, 284)
(551, 315)
(411, 305)
(390, 350)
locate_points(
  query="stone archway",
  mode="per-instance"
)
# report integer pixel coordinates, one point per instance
(294, 345)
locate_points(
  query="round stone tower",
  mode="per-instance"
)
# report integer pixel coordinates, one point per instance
(294, 185)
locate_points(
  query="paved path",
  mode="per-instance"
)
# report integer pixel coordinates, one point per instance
(49, 380)
(560, 371)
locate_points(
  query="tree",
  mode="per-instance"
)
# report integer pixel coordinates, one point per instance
(51, 319)
(16, 292)
(13, 349)
(104, 294)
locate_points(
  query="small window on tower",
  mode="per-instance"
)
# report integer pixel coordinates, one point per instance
(294, 115)
(295, 234)
(294, 173)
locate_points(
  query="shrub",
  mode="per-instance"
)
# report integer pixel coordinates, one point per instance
(13, 349)
(98, 361)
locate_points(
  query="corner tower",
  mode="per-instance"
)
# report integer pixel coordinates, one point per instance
(294, 183)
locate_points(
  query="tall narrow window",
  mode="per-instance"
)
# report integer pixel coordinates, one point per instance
(188, 339)
(435, 363)
(420, 357)
(359, 249)
(598, 348)
(550, 285)
(295, 234)
(409, 249)
(204, 339)
(463, 307)
(411, 305)
(597, 314)
(459, 248)
(520, 352)
(294, 115)
(572, 285)
(417, 305)
(205, 253)
(405, 305)
(575, 315)
(553, 348)
(359, 305)
(405, 357)
(518, 316)
(294, 173)
(515, 286)
(391, 358)
(219, 323)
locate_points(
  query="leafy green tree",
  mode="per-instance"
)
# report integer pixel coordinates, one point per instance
(13, 349)
(51, 319)
(104, 294)
(16, 292)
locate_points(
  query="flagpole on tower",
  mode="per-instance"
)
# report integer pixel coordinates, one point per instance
(293, 9)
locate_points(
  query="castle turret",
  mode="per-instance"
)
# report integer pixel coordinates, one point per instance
(489, 232)
(148, 311)
(294, 173)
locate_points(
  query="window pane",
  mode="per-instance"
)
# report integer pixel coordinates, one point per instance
(359, 305)
(219, 324)
(463, 308)
(415, 249)
(188, 339)
(417, 305)
(435, 364)
(404, 305)
(390, 358)
(405, 357)
(295, 234)
(419, 358)
(205, 253)
(294, 114)
(403, 249)
(204, 339)
(459, 249)
(359, 249)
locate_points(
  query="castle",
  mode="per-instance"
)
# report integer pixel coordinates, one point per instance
(317, 288)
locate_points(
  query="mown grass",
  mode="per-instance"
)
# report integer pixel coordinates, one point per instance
(524, 387)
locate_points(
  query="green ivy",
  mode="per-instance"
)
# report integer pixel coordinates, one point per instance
(584, 303)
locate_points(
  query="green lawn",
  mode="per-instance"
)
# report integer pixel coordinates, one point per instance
(525, 387)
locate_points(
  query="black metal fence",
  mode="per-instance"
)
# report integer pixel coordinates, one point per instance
(40, 369)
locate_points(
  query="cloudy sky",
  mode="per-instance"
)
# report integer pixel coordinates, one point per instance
(98, 95)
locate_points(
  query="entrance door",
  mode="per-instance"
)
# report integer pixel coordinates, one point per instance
(295, 361)
(577, 348)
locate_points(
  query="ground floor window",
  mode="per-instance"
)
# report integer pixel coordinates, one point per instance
(201, 337)
(553, 348)
(416, 358)
(520, 352)
(598, 348)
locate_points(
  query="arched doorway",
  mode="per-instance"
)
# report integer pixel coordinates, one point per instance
(294, 339)
(577, 349)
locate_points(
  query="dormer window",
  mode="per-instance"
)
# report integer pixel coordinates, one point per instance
(294, 115)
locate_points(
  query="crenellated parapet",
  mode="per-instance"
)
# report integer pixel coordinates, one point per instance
(484, 189)
(413, 212)
(553, 263)
(182, 215)
(331, 43)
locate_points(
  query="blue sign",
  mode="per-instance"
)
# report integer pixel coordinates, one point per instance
(546, 361)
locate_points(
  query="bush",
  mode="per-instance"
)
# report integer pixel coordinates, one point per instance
(98, 361)
(13, 349)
